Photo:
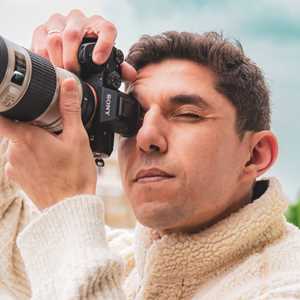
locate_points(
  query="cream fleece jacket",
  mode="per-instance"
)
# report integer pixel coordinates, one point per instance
(67, 253)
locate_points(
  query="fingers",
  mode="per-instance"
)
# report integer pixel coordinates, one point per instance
(128, 72)
(56, 25)
(59, 40)
(106, 33)
(70, 107)
(72, 38)
(38, 44)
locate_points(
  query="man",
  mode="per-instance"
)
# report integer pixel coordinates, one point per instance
(207, 228)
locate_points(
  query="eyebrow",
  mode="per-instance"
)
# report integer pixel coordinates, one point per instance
(193, 99)
(182, 99)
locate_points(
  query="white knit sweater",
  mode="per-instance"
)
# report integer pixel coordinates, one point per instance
(69, 254)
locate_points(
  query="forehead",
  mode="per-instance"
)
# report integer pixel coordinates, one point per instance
(156, 83)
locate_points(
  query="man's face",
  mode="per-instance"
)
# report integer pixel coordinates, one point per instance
(183, 167)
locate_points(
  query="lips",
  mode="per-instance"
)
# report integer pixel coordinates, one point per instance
(153, 174)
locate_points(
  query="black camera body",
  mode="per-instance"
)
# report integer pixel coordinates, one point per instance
(117, 111)
(29, 92)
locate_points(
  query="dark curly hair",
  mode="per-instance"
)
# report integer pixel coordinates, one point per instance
(238, 78)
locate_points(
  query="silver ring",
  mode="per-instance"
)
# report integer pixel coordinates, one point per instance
(54, 31)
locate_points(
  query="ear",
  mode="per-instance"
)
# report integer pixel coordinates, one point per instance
(263, 153)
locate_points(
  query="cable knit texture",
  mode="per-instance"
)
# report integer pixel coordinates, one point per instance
(67, 253)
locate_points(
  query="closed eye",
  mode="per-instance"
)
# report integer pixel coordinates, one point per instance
(189, 115)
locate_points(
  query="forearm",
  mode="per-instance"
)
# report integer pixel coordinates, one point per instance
(66, 253)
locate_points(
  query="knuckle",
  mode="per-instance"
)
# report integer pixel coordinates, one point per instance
(79, 138)
(12, 156)
(106, 46)
(9, 155)
(37, 30)
(110, 27)
(83, 139)
(72, 34)
(37, 37)
(9, 171)
(42, 52)
(70, 64)
(72, 105)
(82, 136)
(56, 17)
(75, 12)
(95, 18)
(54, 41)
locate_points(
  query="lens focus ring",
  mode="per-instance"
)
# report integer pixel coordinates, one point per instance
(39, 93)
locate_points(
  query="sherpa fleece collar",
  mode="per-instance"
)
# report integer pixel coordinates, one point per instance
(174, 266)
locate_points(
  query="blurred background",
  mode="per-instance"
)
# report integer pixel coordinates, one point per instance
(269, 31)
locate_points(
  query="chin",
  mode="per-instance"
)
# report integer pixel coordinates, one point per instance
(157, 215)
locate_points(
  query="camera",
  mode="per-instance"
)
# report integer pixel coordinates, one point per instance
(29, 91)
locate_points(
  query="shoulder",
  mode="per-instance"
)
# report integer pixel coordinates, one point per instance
(279, 268)
(284, 254)
(284, 285)
(274, 273)
(271, 273)
(278, 285)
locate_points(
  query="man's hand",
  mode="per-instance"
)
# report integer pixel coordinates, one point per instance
(51, 167)
(47, 167)
(59, 39)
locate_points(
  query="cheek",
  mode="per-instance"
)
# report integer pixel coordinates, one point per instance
(206, 158)
(196, 149)
(194, 154)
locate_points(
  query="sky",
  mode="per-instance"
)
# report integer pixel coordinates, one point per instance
(269, 31)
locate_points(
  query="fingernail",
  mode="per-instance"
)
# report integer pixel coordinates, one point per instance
(70, 86)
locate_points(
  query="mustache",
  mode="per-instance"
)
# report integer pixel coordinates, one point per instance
(148, 162)
(152, 161)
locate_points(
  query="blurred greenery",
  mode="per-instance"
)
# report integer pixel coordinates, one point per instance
(293, 213)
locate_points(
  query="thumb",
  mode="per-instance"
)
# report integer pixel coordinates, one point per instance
(70, 105)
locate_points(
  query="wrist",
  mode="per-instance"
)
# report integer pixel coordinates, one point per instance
(59, 197)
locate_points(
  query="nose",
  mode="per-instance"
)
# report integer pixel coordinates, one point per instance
(151, 137)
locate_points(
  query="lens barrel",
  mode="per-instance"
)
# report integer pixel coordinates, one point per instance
(37, 98)
(29, 92)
